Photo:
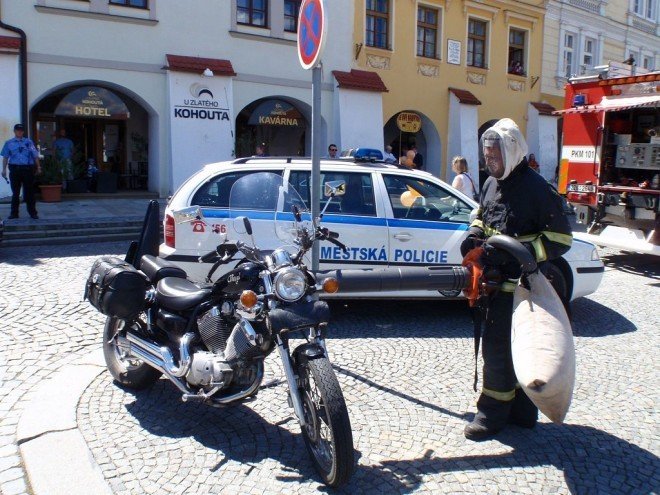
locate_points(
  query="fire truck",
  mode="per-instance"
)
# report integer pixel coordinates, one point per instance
(610, 159)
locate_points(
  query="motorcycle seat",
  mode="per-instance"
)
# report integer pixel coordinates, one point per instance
(179, 293)
(157, 268)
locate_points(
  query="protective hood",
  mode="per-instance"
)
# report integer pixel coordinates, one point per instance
(512, 143)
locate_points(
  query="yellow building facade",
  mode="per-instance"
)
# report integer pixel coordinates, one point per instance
(459, 65)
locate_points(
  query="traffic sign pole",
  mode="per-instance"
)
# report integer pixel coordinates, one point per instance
(316, 156)
(312, 28)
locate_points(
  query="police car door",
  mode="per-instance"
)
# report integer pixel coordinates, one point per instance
(358, 217)
(426, 221)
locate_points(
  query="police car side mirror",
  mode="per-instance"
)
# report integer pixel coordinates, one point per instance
(335, 188)
(188, 214)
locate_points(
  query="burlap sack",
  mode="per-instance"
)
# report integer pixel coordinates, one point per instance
(542, 347)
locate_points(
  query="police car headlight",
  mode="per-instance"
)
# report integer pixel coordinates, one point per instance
(594, 255)
(290, 284)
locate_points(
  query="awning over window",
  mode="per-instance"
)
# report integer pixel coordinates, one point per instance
(277, 113)
(615, 104)
(93, 102)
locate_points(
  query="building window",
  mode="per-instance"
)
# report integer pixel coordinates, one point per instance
(476, 49)
(427, 32)
(647, 62)
(588, 54)
(569, 42)
(645, 8)
(252, 12)
(141, 4)
(517, 52)
(291, 8)
(378, 20)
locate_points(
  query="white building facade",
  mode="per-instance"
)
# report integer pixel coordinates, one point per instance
(154, 89)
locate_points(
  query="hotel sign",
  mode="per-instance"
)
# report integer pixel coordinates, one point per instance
(92, 102)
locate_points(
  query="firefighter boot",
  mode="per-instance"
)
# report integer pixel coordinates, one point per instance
(491, 417)
(523, 411)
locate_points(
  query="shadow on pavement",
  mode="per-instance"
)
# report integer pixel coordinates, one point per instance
(645, 265)
(592, 319)
(39, 255)
(592, 461)
(401, 319)
(236, 432)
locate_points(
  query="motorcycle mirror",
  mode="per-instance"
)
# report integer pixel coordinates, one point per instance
(335, 188)
(296, 213)
(248, 225)
(189, 214)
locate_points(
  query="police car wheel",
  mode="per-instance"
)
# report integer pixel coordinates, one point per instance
(558, 281)
(125, 369)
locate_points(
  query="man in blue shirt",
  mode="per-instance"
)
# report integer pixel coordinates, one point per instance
(22, 157)
(63, 147)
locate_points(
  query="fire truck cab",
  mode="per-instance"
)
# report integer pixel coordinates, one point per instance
(610, 159)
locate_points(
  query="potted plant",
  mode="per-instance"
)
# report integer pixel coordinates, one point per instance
(51, 179)
(77, 173)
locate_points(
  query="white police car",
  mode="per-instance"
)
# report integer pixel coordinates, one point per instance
(389, 216)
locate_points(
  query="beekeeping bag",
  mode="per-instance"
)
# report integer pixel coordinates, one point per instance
(542, 347)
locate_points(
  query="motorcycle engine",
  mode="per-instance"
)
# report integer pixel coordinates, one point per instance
(208, 369)
(214, 330)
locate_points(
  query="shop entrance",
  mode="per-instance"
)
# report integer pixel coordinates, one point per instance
(107, 131)
(274, 124)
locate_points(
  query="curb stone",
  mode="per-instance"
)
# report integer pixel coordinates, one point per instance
(55, 454)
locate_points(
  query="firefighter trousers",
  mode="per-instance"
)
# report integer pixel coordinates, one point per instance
(499, 378)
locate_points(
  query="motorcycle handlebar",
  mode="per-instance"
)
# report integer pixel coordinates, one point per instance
(432, 278)
(208, 257)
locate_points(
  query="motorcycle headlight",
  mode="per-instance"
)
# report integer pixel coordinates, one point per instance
(290, 284)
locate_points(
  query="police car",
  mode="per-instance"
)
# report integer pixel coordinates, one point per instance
(389, 216)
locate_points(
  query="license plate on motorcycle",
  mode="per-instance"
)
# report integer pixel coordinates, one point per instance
(583, 188)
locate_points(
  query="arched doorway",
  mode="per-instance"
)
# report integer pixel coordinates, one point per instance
(427, 141)
(105, 125)
(277, 123)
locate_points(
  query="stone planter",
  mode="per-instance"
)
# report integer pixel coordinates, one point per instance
(76, 186)
(51, 193)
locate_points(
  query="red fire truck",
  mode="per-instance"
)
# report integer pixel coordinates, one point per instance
(610, 160)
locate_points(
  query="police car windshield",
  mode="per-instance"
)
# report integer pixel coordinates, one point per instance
(268, 201)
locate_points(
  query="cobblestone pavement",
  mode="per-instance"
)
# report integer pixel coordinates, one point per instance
(406, 372)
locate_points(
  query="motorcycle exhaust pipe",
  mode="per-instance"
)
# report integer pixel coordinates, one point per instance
(431, 278)
(161, 357)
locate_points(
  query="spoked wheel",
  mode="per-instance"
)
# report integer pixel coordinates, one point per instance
(327, 434)
(124, 368)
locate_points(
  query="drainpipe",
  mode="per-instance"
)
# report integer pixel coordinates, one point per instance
(23, 62)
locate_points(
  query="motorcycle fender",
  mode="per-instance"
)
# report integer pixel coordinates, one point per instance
(307, 352)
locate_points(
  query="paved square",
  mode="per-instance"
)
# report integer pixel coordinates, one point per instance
(405, 369)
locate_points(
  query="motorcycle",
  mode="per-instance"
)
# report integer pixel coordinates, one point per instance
(211, 339)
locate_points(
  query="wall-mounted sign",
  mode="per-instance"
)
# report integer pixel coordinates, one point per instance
(92, 102)
(454, 52)
(277, 113)
(409, 122)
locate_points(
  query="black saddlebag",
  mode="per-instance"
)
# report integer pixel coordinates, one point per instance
(116, 288)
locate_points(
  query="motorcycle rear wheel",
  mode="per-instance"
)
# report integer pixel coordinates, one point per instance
(328, 435)
(127, 370)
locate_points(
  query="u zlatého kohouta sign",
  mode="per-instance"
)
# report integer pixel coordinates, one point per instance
(92, 102)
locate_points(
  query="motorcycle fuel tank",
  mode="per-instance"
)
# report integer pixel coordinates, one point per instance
(243, 277)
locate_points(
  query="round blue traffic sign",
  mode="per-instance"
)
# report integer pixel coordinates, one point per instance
(311, 32)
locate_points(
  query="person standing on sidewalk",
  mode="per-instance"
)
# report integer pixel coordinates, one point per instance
(22, 158)
(518, 202)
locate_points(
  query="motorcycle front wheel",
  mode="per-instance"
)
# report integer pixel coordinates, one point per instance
(327, 434)
(124, 368)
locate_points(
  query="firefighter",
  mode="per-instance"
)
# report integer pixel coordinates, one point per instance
(518, 202)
